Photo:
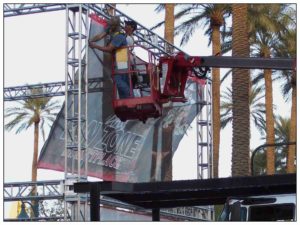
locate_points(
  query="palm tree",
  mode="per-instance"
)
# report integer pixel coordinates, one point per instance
(269, 22)
(282, 135)
(293, 133)
(32, 112)
(263, 43)
(264, 39)
(257, 108)
(282, 129)
(287, 48)
(213, 16)
(257, 115)
(169, 24)
(240, 94)
(168, 133)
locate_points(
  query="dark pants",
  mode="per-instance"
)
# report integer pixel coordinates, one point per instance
(123, 86)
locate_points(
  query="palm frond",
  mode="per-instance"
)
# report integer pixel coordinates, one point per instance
(18, 123)
(157, 25)
(15, 113)
(225, 121)
(159, 8)
(226, 75)
(31, 111)
(42, 128)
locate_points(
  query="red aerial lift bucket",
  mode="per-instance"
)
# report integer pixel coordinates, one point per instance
(142, 101)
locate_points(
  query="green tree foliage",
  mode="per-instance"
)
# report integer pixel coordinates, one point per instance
(257, 108)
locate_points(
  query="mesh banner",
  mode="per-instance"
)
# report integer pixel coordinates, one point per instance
(130, 151)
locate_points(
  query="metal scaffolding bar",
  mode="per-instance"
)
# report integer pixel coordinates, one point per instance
(157, 45)
(26, 9)
(204, 132)
(249, 62)
(204, 136)
(49, 89)
(20, 191)
(77, 28)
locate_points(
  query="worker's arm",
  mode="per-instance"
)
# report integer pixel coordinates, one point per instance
(117, 41)
(109, 48)
(98, 37)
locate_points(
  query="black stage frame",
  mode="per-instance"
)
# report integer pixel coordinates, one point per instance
(169, 194)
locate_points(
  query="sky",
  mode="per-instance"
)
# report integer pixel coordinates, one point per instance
(34, 52)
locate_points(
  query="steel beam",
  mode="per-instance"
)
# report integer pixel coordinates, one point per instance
(26, 9)
(157, 45)
(249, 63)
(49, 90)
(146, 37)
(20, 191)
(166, 194)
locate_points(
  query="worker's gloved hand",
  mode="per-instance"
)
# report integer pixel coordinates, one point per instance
(92, 44)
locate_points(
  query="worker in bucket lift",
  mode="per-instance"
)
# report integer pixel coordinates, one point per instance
(118, 41)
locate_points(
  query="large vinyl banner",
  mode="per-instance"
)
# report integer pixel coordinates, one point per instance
(130, 151)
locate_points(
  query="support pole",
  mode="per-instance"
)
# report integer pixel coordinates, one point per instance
(156, 214)
(95, 202)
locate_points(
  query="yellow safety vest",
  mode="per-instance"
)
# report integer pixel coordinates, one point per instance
(121, 56)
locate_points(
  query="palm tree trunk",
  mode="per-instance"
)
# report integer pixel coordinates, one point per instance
(240, 95)
(34, 210)
(269, 122)
(293, 132)
(216, 49)
(169, 24)
(167, 133)
(35, 152)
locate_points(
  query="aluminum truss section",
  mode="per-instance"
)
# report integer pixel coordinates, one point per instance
(28, 91)
(204, 131)
(157, 45)
(48, 90)
(77, 29)
(25, 9)
(204, 136)
(21, 191)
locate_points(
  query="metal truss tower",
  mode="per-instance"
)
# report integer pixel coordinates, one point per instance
(76, 116)
(204, 131)
(204, 136)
